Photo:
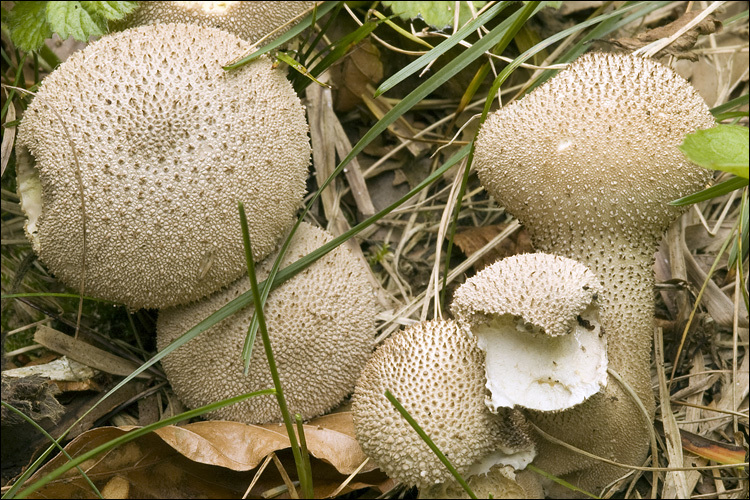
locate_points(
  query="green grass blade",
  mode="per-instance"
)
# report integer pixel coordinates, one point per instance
(306, 22)
(559, 481)
(734, 103)
(135, 434)
(428, 441)
(515, 26)
(441, 49)
(306, 483)
(718, 190)
(54, 441)
(298, 461)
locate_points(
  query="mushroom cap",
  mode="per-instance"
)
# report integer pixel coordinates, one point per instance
(321, 323)
(536, 317)
(166, 142)
(436, 372)
(594, 149)
(250, 21)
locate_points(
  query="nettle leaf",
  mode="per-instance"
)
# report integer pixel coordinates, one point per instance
(111, 11)
(437, 14)
(30, 23)
(723, 147)
(73, 19)
(28, 26)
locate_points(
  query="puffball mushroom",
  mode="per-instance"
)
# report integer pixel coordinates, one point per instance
(536, 317)
(588, 162)
(250, 21)
(321, 323)
(437, 374)
(163, 142)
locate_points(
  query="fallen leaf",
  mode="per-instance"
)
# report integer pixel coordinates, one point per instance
(472, 239)
(213, 459)
(361, 67)
(681, 47)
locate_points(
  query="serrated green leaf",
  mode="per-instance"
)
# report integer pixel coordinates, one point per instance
(437, 14)
(111, 11)
(28, 25)
(723, 147)
(76, 20)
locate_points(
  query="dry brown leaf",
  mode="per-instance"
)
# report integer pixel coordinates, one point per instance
(472, 239)
(681, 47)
(361, 67)
(188, 461)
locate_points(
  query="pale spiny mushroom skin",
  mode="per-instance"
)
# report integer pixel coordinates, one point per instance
(437, 373)
(250, 21)
(536, 317)
(321, 323)
(588, 162)
(166, 142)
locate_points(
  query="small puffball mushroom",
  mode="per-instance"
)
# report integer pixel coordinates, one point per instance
(437, 373)
(536, 317)
(588, 163)
(321, 323)
(250, 21)
(163, 142)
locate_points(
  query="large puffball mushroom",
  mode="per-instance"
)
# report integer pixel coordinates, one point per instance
(163, 142)
(536, 316)
(588, 163)
(250, 21)
(437, 373)
(321, 323)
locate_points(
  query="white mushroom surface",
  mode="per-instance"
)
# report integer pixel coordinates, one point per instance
(321, 324)
(250, 21)
(437, 373)
(588, 163)
(163, 142)
(536, 317)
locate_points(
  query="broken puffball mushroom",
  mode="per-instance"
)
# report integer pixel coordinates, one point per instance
(588, 163)
(437, 373)
(163, 141)
(321, 323)
(536, 317)
(250, 21)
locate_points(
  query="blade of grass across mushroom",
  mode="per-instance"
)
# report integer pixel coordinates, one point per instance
(54, 442)
(126, 438)
(432, 83)
(305, 480)
(306, 22)
(527, 12)
(429, 442)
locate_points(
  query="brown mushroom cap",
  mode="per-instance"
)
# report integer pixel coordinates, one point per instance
(321, 324)
(250, 21)
(588, 163)
(437, 373)
(166, 142)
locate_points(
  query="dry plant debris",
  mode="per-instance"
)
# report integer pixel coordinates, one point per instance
(701, 387)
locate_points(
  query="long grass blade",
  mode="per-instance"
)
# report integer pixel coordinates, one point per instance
(429, 442)
(298, 461)
(130, 436)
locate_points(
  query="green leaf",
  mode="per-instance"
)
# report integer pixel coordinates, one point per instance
(111, 11)
(437, 14)
(76, 20)
(723, 147)
(28, 25)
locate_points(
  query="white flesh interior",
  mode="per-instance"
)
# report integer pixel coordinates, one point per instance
(540, 372)
(30, 192)
(518, 459)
